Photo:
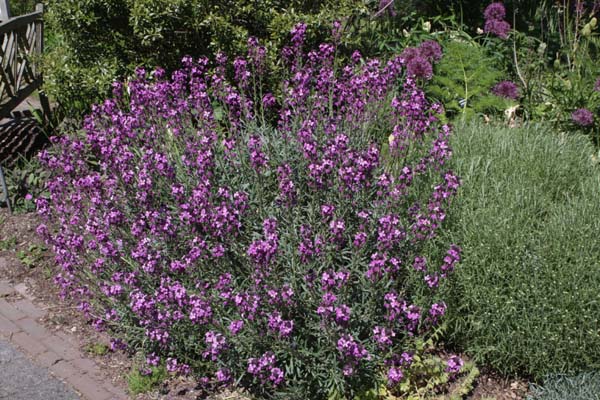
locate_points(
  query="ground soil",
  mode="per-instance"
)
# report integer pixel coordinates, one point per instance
(28, 264)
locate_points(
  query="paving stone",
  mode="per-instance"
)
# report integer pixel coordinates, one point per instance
(47, 359)
(10, 312)
(7, 327)
(89, 388)
(60, 347)
(33, 328)
(63, 369)
(86, 366)
(118, 393)
(26, 306)
(70, 339)
(6, 289)
(28, 343)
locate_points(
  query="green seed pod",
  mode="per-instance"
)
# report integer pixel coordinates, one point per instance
(594, 22)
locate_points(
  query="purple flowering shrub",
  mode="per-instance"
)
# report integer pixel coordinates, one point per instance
(284, 257)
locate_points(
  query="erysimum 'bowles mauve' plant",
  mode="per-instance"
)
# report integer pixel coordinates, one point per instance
(272, 243)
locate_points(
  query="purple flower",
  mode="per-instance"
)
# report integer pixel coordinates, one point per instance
(394, 376)
(506, 89)
(236, 326)
(298, 32)
(597, 85)
(497, 27)
(408, 54)
(383, 336)
(269, 100)
(495, 11)
(223, 375)
(583, 117)
(342, 314)
(216, 343)
(431, 50)
(419, 67)
(454, 364)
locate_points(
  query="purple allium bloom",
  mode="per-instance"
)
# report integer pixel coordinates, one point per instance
(495, 11)
(582, 117)
(431, 50)
(597, 85)
(408, 54)
(497, 27)
(506, 89)
(419, 67)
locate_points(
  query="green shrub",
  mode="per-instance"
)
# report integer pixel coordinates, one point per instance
(582, 387)
(464, 79)
(25, 182)
(94, 42)
(526, 298)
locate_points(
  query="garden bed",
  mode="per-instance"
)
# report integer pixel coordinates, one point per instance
(24, 261)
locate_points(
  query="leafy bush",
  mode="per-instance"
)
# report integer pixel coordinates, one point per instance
(20, 7)
(93, 42)
(26, 181)
(526, 299)
(559, 387)
(464, 79)
(280, 256)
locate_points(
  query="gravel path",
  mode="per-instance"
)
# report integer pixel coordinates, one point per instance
(21, 380)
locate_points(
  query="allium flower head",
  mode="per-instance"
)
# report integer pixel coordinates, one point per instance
(495, 11)
(597, 85)
(408, 54)
(506, 89)
(431, 50)
(497, 27)
(582, 117)
(419, 67)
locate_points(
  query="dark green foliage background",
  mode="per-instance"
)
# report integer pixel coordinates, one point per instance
(94, 42)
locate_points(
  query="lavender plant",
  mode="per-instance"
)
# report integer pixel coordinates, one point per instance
(270, 242)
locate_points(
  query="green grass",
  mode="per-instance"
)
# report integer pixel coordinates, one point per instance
(97, 349)
(138, 383)
(526, 298)
(582, 387)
